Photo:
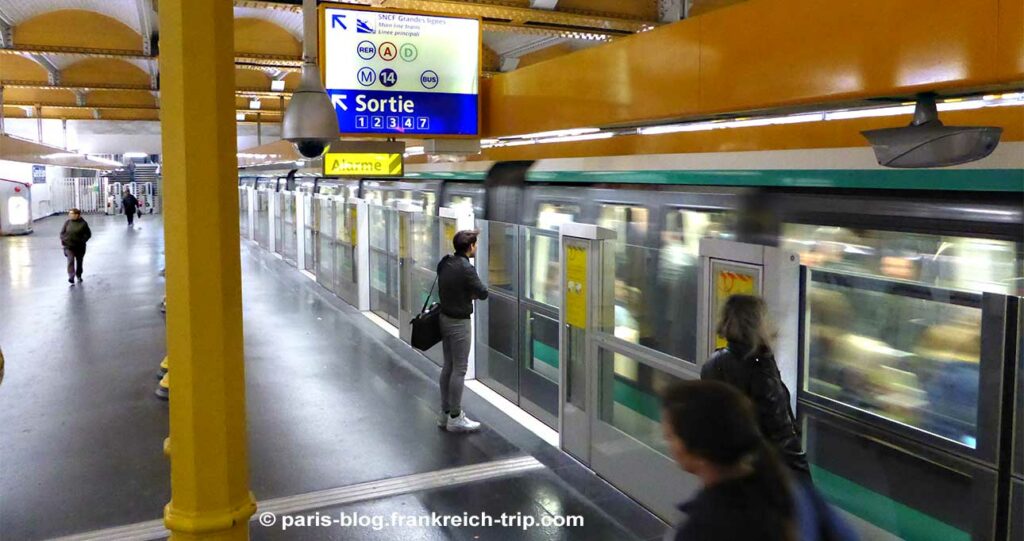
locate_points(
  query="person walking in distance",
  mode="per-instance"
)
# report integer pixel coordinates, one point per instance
(130, 205)
(73, 237)
(458, 286)
(748, 364)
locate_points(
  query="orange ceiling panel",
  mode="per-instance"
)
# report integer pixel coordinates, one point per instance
(649, 75)
(19, 68)
(101, 71)
(765, 54)
(77, 28)
(38, 95)
(263, 37)
(769, 53)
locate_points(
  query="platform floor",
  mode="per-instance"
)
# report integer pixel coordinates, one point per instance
(333, 401)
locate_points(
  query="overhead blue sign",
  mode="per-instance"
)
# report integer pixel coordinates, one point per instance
(402, 75)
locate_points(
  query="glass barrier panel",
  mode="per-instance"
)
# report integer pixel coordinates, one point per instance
(541, 352)
(907, 353)
(969, 264)
(345, 232)
(262, 218)
(325, 257)
(498, 353)
(243, 212)
(311, 223)
(291, 248)
(628, 397)
(424, 233)
(543, 269)
(502, 255)
(278, 222)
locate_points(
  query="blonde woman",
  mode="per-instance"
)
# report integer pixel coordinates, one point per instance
(748, 364)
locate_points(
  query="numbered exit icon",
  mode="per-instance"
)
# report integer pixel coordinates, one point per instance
(408, 52)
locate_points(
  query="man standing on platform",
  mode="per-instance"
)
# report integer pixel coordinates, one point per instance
(130, 206)
(458, 286)
(73, 237)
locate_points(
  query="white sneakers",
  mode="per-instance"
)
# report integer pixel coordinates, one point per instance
(461, 424)
(442, 419)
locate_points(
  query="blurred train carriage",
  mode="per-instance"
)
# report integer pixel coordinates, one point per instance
(897, 288)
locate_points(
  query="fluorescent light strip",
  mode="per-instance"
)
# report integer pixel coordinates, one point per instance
(576, 138)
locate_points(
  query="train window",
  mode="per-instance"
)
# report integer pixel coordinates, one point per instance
(969, 264)
(543, 266)
(502, 256)
(461, 202)
(551, 215)
(910, 354)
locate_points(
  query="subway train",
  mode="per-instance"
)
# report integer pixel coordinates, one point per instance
(910, 313)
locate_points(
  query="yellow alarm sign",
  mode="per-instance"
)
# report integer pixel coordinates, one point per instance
(363, 164)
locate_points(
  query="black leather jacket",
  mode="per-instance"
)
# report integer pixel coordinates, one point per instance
(757, 376)
(458, 286)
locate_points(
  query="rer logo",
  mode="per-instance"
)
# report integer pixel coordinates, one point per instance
(366, 76)
(388, 77)
(366, 50)
(388, 51)
(429, 79)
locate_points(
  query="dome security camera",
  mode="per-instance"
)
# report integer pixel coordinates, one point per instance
(310, 122)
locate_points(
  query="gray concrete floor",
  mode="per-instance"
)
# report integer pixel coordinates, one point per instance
(332, 400)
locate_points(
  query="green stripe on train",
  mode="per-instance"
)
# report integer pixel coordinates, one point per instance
(645, 404)
(906, 522)
(545, 353)
(988, 180)
(1000, 180)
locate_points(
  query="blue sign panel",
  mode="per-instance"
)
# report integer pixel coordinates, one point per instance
(401, 74)
(416, 113)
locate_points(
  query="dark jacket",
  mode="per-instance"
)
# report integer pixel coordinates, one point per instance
(458, 285)
(732, 510)
(75, 234)
(758, 377)
(129, 203)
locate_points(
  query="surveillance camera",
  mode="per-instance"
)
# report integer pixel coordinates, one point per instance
(310, 122)
(310, 148)
(926, 142)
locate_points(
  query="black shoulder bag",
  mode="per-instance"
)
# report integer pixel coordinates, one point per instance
(426, 326)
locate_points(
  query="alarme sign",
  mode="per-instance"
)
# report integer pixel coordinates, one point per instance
(401, 74)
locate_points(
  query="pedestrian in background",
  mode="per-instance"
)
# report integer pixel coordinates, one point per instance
(73, 237)
(748, 364)
(458, 286)
(130, 205)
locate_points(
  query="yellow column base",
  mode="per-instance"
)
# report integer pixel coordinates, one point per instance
(230, 525)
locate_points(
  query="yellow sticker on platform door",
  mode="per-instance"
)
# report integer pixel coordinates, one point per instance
(449, 235)
(576, 285)
(353, 221)
(731, 280)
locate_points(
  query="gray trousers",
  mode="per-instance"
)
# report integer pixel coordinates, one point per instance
(455, 340)
(74, 257)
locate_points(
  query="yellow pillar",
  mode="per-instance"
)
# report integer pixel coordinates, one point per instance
(210, 496)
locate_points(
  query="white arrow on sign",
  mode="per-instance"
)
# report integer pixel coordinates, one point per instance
(338, 100)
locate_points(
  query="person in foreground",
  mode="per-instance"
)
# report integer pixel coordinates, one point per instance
(73, 237)
(458, 286)
(747, 363)
(747, 494)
